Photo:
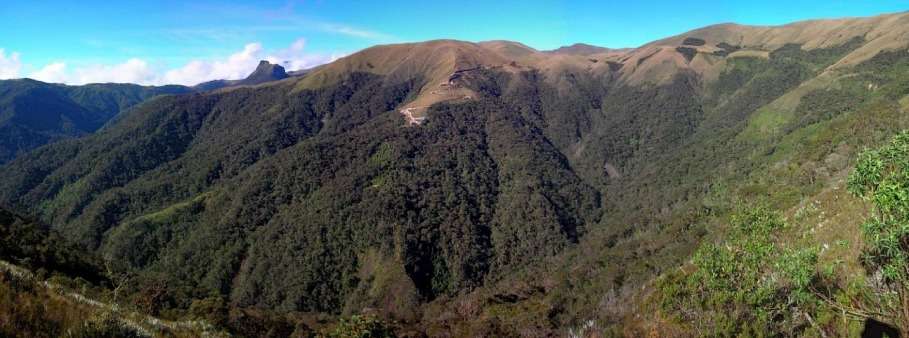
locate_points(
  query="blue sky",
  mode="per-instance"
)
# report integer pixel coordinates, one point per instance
(190, 41)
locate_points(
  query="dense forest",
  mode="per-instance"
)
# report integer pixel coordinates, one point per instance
(766, 198)
(34, 113)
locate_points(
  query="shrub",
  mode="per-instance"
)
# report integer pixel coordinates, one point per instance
(881, 176)
(748, 284)
(360, 327)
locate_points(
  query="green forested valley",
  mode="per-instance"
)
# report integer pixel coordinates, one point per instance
(730, 181)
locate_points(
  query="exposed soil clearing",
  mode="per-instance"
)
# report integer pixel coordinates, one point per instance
(411, 118)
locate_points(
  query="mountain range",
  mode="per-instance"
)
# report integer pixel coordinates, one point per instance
(33, 113)
(453, 188)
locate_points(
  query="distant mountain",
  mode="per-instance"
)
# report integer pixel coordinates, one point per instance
(584, 49)
(490, 189)
(265, 72)
(34, 113)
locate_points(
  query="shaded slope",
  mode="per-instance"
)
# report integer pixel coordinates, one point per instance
(208, 196)
(34, 113)
(36, 246)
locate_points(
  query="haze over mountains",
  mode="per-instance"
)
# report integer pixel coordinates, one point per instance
(452, 188)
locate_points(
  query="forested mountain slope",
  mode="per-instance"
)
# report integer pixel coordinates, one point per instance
(34, 113)
(487, 188)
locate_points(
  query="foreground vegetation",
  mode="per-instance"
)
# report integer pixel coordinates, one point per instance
(757, 280)
(48, 288)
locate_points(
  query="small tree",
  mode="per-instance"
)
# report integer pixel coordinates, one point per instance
(881, 176)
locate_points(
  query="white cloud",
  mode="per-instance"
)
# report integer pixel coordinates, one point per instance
(132, 71)
(295, 58)
(235, 66)
(9, 65)
(244, 62)
(52, 72)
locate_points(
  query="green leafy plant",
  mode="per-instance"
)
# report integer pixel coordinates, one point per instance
(881, 177)
(360, 327)
(748, 284)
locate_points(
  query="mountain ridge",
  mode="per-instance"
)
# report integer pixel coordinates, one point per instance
(543, 192)
(35, 113)
(655, 62)
(264, 72)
